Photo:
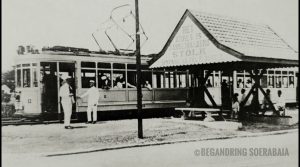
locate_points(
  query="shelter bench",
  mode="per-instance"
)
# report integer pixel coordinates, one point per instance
(191, 112)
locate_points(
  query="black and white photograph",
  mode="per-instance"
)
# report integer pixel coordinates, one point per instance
(146, 83)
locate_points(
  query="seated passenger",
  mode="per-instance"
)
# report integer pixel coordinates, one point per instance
(249, 83)
(118, 85)
(280, 102)
(148, 85)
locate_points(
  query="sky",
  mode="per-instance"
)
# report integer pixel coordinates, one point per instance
(72, 22)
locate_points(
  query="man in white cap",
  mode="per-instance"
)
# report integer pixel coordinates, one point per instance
(93, 96)
(66, 100)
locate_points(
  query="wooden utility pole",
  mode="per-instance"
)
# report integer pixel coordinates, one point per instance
(138, 70)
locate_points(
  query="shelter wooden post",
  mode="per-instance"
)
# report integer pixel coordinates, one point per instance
(203, 89)
(256, 77)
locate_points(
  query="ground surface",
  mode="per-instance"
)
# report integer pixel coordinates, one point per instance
(53, 138)
(171, 155)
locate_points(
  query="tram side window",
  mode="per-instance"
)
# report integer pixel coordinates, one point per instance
(34, 77)
(88, 65)
(284, 79)
(131, 74)
(278, 79)
(119, 75)
(88, 72)
(18, 77)
(104, 75)
(86, 76)
(26, 78)
(271, 79)
(291, 79)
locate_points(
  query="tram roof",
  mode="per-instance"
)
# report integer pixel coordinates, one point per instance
(67, 56)
(234, 43)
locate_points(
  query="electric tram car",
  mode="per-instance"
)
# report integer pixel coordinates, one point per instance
(38, 81)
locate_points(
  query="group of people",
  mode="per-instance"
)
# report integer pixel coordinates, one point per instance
(236, 102)
(67, 100)
(120, 83)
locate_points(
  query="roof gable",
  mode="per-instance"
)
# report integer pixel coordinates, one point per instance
(191, 46)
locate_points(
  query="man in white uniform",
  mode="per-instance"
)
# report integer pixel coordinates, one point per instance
(66, 101)
(93, 96)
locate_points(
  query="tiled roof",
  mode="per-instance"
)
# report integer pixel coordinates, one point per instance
(239, 40)
(250, 39)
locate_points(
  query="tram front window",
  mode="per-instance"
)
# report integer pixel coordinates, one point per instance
(26, 78)
(34, 78)
(18, 77)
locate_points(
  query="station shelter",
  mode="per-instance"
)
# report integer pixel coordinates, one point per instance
(202, 43)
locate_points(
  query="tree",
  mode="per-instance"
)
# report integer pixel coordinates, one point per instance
(8, 78)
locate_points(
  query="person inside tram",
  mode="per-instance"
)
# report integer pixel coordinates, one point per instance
(249, 83)
(240, 83)
(148, 85)
(120, 83)
(278, 84)
(104, 81)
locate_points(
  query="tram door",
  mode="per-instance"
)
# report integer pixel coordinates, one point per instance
(49, 94)
(51, 81)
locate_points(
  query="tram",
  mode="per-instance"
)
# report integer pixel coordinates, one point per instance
(38, 79)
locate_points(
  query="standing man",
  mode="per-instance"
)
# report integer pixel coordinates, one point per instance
(93, 96)
(66, 100)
